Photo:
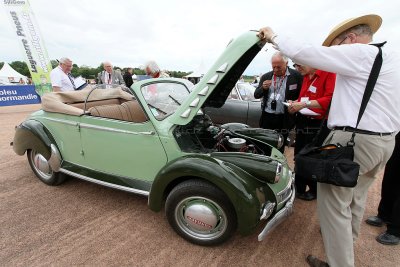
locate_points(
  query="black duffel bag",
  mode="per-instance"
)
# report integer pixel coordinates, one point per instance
(333, 164)
(330, 164)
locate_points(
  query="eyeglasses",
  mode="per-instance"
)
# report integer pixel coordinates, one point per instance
(343, 40)
(296, 65)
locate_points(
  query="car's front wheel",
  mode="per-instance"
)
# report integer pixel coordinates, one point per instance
(201, 213)
(41, 167)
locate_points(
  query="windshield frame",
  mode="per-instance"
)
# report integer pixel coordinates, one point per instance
(163, 103)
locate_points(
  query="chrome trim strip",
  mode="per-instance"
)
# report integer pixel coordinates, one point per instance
(287, 187)
(194, 103)
(203, 91)
(63, 121)
(108, 129)
(186, 113)
(223, 67)
(284, 191)
(55, 158)
(119, 187)
(279, 217)
(267, 210)
(278, 172)
(213, 79)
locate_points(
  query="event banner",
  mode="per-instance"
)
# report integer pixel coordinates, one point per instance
(28, 34)
(18, 95)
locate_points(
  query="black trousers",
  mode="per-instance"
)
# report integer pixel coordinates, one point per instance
(306, 129)
(274, 122)
(389, 206)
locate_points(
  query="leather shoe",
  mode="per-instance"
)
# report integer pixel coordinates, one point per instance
(308, 196)
(315, 262)
(374, 221)
(388, 239)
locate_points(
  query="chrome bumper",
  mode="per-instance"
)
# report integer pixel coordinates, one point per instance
(279, 217)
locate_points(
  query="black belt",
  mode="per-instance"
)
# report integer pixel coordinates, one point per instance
(351, 129)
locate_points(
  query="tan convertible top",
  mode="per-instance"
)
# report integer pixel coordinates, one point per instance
(72, 102)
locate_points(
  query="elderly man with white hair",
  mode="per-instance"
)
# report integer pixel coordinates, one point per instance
(153, 70)
(275, 87)
(61, 78)
(110, 76)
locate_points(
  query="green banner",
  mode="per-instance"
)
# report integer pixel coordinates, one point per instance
(31, 42)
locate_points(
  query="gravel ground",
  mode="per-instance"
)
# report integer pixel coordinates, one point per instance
(79, 223)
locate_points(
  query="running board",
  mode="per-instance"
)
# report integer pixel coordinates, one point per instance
(110, 185)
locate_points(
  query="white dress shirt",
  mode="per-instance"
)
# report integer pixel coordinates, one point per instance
(353, 63)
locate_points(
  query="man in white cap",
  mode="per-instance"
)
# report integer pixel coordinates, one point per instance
(346, 52)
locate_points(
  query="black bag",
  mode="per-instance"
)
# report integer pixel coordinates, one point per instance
(330, 164)
(333, 163)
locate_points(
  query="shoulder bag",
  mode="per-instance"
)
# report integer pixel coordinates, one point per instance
(333, 163)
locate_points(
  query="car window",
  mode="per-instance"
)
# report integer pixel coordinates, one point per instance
(164, 98)
(246, 91)
(233, 94)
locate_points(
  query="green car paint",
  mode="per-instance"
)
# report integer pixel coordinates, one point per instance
(157, 155)
(238, 185)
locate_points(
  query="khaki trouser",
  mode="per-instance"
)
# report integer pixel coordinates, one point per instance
(340, 209)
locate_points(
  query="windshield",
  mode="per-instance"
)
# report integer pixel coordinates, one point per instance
(164, 98)
(246, 91)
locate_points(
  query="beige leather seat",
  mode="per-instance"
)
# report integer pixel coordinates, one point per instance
(90, 104)
(110, 111)
(135, 111)
(127, 111)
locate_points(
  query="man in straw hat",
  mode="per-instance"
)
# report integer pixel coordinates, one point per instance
(346, 52)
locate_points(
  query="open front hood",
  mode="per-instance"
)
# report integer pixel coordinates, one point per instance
(217, 83)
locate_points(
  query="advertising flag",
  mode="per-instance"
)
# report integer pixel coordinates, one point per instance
(27, 31)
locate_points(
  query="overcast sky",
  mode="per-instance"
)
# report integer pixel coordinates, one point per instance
(181, 35)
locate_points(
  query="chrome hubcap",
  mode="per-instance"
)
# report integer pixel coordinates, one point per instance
(41, 165)
(201, 218)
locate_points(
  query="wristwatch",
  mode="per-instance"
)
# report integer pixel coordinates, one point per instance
(308, 103)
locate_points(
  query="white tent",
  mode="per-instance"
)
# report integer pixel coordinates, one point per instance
(196, 75)
(9, 76)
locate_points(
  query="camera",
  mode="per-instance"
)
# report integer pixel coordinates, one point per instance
(273, 104)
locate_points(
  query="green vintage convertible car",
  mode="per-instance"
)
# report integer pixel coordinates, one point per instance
(153, 139)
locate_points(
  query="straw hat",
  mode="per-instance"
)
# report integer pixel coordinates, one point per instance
(374, 21)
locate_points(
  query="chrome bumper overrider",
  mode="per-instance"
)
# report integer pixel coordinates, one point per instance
(279, 217)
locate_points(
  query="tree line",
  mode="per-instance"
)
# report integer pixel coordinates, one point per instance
(84, 71)
(91, 73)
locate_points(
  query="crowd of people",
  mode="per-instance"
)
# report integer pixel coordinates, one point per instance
(62, 79)
(321, 98)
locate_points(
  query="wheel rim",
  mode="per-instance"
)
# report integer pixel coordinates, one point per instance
(201, 218)
(41, 165)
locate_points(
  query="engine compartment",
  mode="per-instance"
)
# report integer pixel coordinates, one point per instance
(201, 136)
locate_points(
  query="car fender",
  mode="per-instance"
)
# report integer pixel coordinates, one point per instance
(32, 134)
(239, 186)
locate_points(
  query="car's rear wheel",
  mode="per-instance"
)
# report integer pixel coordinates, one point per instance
(201, 213)
(41, 167)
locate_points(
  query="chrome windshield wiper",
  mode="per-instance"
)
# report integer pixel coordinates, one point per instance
(157, 108)
(176, 101)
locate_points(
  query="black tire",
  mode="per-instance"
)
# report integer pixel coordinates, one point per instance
(42, 169)
(201, 213)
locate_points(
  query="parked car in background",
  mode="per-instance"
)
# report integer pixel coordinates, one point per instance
(241, 106)
(154, 139)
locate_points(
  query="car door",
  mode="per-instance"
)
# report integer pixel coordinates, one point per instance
(122, 148)
(65, 131)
